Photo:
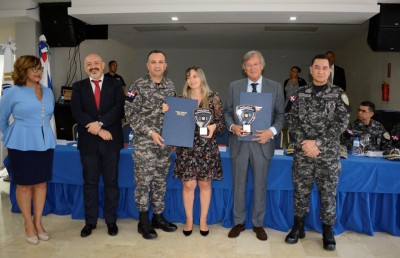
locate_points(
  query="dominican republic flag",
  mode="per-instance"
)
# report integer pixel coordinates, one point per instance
(46, 76)
(44, 59)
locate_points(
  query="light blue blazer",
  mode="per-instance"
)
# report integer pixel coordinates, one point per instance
(31, 127)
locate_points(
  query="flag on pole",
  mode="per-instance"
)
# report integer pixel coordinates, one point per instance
(8, 50)
(46, 76)
(44, 59)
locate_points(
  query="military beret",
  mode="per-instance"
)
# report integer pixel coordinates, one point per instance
(290, 149)
(392, 154)
(343, 152)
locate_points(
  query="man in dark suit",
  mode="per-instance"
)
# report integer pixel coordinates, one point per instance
(97, 105)
(258, 152)
(338, 74)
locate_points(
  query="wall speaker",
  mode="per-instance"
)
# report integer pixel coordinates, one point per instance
(384, 39)
(60, 29)
(384, 29)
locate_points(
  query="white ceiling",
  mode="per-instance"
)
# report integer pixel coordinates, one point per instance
(217, 23)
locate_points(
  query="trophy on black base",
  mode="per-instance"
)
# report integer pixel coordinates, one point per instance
(203, 117)
(247, 115)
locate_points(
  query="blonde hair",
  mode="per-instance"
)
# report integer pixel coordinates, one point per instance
(205, 89)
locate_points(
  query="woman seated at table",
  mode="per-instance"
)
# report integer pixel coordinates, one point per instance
(30, 141)
(202, 163)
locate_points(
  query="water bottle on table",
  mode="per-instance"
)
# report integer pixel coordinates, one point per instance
(130, 140)
(356, 146)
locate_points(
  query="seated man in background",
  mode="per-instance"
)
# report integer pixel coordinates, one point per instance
(396, 136)
(372, 135)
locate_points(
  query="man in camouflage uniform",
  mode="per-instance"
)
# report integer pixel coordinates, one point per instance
(396, 136)
(143, 106)
(317, 118)
(372, 134)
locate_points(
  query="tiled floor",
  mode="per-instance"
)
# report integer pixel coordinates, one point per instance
(66, 241)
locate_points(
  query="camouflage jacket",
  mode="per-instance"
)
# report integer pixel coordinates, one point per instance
(319, 116)
(143, 104)
(379, 138)
(396, 136)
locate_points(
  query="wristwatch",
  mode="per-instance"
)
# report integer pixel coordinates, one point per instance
(101, 124)
(318, 142)
(150, 132)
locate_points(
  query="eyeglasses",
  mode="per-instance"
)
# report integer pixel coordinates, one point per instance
(363, 111)
(37, 69)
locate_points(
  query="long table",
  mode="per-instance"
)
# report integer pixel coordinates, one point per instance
(368, 197)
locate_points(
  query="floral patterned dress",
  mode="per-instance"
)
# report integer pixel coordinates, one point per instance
(202, 161)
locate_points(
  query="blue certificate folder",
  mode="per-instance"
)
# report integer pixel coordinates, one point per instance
(263, 116)
(179, 124)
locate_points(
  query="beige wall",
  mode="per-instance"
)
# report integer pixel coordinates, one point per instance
(223, 66)
(6, 30)
(365, 72)
(365, 69)
(62, 57)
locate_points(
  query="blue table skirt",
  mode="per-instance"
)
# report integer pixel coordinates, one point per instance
(368, 198)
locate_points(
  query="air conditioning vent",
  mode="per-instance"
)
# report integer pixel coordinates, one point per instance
(290, 28)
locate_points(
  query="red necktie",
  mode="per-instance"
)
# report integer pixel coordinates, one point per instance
(97, 93)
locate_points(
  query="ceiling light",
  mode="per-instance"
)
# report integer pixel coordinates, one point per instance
(293, 18)
(174, 18)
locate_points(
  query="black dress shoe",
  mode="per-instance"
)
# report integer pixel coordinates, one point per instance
(236, 230)
(187, 232)
(87, 230)
(204, 233)
(260, 233)
(112, 229)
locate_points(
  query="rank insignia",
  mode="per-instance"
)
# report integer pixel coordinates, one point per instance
(345, 99)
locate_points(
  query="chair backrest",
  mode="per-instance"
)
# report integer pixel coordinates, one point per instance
(278, 138)
(126, 129)
(75, 132)
(223, 138)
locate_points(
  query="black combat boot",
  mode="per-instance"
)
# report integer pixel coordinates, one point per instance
(328, 237)
(144, 226)
(160, 222)
(297, 231)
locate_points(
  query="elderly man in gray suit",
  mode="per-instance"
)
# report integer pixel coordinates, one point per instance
(258, 152)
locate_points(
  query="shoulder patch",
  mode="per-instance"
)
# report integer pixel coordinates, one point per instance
(386, 135)
(293, 98)
(130, 95)
(345, 98)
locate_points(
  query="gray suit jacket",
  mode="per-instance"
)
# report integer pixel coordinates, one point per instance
(278, 112)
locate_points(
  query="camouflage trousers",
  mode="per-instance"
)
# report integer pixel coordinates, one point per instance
(151, 166)
(325, 171)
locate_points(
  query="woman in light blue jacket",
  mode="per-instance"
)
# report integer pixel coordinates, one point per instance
(30, 141)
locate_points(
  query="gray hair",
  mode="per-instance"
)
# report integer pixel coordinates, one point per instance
(250, 54)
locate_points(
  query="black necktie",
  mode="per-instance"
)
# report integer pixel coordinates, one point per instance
(254, 85)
